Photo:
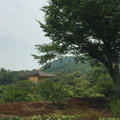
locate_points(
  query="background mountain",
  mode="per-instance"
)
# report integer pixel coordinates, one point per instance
(67, 65)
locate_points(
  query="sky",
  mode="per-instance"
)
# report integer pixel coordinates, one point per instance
(19, 33)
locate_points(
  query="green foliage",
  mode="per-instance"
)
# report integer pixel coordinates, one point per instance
(95, 83)
(67, 65)
(43, 117)
(115, 108)
(105, 85)
(51, 91)
(83, 87)
(85, 29)
(101, 81)
(75, 28)
(76, 84)
(10, 118)
(109, 118)
(21, 91)
(7, 77)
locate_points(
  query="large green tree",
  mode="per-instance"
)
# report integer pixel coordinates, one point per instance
(83, 28)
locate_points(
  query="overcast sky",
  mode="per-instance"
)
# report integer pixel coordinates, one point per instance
(19, 32)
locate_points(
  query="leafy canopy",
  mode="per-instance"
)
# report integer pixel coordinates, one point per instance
(50, 91)
(67, 65)
(82, 28)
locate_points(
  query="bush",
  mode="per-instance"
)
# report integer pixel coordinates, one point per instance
(83, 87)
(9, 77)
(51, 91)
(21, 91)
(105, 85)
(115, 108)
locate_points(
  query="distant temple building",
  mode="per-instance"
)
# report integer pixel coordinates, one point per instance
(37, 76)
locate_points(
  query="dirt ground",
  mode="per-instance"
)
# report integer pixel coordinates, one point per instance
(89, 108)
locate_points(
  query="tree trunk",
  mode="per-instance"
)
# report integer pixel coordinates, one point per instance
(117, 85)
(115, 75)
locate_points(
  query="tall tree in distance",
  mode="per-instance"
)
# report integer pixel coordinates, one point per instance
(83, 28)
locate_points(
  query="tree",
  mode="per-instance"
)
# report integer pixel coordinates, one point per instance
(2, 70)
(21, 91)
(50, 91)
(9, 77)
(84, 28)
(102, 81)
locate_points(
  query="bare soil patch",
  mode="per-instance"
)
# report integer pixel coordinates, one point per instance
(90, 108)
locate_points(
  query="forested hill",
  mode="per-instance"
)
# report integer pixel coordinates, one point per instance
(67, 65)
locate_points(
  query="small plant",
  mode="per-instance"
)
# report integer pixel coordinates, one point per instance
(115, 108)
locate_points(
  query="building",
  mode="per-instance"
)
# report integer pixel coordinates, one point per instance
(37, 76)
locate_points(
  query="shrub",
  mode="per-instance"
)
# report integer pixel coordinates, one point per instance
(115, 108)
(51, 91)
(21, 91)
(105, 85)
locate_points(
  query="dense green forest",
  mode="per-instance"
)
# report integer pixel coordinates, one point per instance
(72, 80)
(64, 65)
(9, 77)
(67, 65)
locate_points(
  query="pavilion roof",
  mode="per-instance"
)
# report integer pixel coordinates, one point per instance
(39, 73)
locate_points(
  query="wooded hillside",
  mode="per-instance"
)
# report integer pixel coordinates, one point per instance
(68, 65)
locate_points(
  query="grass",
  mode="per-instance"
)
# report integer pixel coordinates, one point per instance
(115, 108)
